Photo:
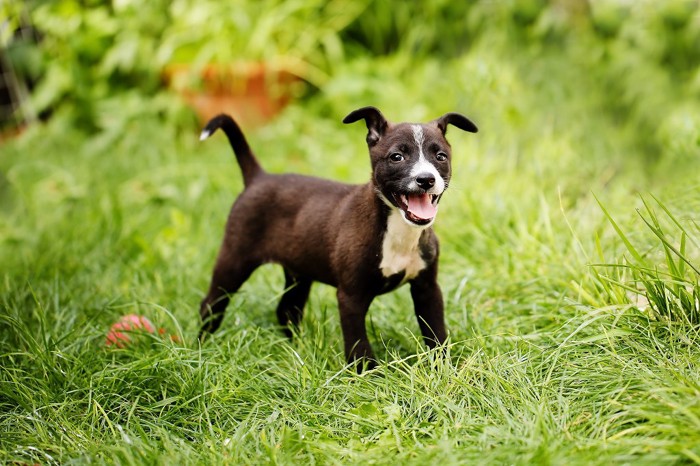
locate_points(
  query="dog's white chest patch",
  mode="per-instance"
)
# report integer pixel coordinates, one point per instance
(400, 251)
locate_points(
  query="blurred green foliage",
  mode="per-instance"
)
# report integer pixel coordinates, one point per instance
(91, 57)
(100, 53)
(636, 60)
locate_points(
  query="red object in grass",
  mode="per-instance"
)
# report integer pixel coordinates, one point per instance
(118, 334)
(174, 338)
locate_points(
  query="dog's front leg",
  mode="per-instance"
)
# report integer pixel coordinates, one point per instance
(429, 307)
(353, 309)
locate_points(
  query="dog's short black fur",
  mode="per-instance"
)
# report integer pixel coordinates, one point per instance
(365, 240)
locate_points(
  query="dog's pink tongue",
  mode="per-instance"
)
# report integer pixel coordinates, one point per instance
(420, 206)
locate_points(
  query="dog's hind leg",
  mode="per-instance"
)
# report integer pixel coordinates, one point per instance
(227, 278)
(291, 307)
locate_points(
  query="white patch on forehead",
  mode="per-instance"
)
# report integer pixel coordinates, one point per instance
(418, 136)
(400, 248)
(422, 165)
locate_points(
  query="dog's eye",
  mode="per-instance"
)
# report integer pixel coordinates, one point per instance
(441, 156)
(396, 157)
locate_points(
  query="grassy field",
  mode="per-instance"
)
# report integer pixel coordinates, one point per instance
(569, 266)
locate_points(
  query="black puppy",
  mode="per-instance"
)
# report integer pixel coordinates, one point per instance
(365, 240)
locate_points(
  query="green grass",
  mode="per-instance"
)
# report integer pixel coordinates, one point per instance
(573, 318)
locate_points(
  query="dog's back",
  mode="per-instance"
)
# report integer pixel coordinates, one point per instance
(269, 222)
(275, 227)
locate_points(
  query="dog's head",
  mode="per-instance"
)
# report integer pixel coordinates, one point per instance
(410, 161)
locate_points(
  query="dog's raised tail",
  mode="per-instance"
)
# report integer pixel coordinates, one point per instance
(245, 157)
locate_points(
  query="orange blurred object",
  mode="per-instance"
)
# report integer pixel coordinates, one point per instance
(118, 334)
(251, 92)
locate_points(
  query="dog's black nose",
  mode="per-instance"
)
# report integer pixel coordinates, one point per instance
(425, 180)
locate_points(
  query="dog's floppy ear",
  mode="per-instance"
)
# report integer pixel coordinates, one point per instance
(376, 123)
(458, 120)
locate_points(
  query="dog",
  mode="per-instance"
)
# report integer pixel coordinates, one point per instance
(365, 240)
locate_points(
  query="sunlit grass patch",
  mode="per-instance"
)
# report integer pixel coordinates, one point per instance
(661, 276)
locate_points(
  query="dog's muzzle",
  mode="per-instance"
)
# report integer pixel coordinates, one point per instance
(418, 208)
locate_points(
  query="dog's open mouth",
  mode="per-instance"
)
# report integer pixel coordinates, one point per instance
(418, 208)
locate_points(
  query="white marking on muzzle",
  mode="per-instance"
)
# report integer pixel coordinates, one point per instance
(422, 165)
